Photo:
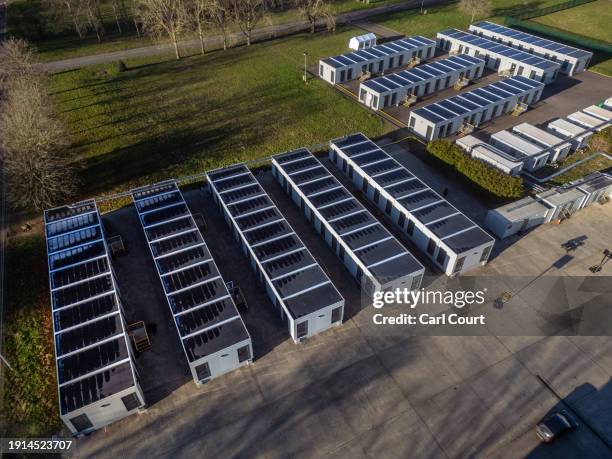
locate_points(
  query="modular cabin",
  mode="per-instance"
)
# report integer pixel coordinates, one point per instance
(375, 258)
(516, 217)
(477, 149)
(534, 157)
(377, 59)
(393, 89)
(475, 107)
(587, 121)
(305, 299)
(364, 41)
(572, 60)
(576, 135)
(211, 331)
(600, 113)
(451, 240)
(558, 147)
(96, 371)
(499, 57)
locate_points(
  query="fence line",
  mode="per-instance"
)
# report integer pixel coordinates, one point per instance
(568, 37)
(530, 14)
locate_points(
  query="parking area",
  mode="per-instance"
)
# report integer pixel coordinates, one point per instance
(352, 393)
(566, 95)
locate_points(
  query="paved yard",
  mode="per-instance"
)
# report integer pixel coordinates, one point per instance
(353, 393)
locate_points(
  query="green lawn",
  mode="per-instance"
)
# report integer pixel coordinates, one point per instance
(595, 164)
(449, 16)
(592, 20)
(167, 118)
(28, 18)
(30, 392)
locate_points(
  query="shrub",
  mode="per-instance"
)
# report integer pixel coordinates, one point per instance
(602, 141)
(487, 177)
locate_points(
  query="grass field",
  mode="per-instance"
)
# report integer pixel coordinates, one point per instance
(592, 20)
(449, 16)
(166, 118)
(30, 393)
(595, 164)
(58, 41)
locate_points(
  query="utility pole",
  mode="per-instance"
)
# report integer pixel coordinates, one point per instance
(305, 77)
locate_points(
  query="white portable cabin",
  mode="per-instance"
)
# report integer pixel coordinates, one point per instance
(377, 59)
(499, 57)
(534, 157)
(477, 149)
(304, 296)
(96, 372)
(212, 334)
(516, 217)
(563, 202)
(596, 186)
(600, 113)
(372, 255)
(587, 121)
(443, 233)
(392, 89)
(558, 147)
(475, 107)
(573, 60)
(364, 41)
(576, 135)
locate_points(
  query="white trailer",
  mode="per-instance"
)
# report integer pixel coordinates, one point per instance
(516, 217)
(573, 60)
(211, 331)
(377, 59)
(376, 259)
(475, 107)
(587, 121)
(502, 58)
(444, 234)
(305, 299)
(534, 157)
(576, 135)
(600, 113)
(510, 164)
(96, 370)
(393, 89)
(558, 147)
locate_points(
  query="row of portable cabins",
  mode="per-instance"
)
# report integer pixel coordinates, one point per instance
(529, 148)
(551, 205)
(306, 300)
(212, 333)
(375, 258)
(472, 108)
(572, 60)
(377, 59)
(504, 59)
(96, 371)
(393, 89)
(444, 234)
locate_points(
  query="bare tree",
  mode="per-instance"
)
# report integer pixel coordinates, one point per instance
(474, 7)
(72, 11)
(94, 16)
(17, 60)
(197, 16)
(164, 18)
(32, 140)
(247, 13)
(220, 15)
(313, 10)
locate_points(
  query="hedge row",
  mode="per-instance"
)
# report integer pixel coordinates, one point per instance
(494, 181)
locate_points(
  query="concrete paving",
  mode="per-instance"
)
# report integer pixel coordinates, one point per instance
(352, 393)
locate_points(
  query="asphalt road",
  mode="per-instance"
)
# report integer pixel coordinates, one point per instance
(215, 42)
